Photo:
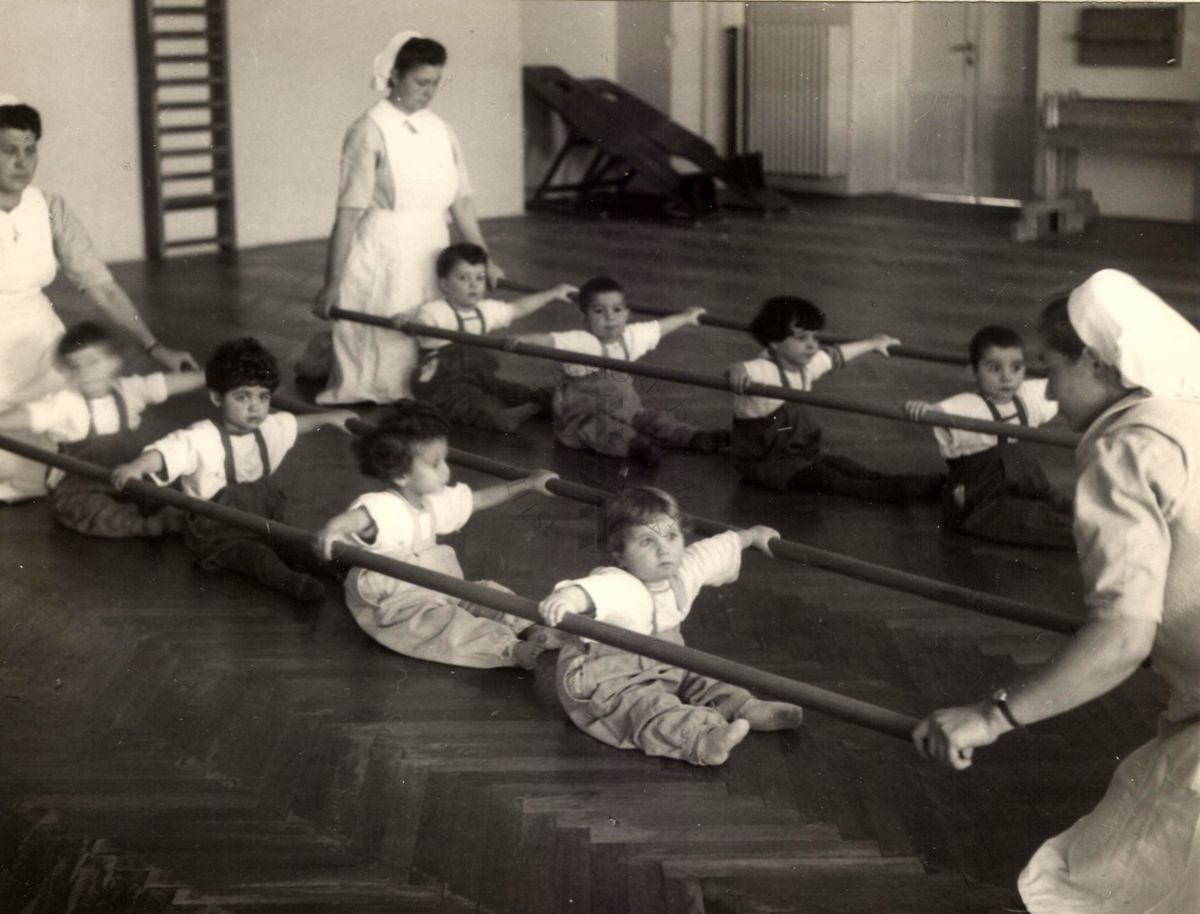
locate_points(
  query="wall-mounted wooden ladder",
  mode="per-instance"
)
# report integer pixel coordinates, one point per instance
(187, 143)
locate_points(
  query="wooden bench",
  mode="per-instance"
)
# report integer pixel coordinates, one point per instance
(1070, 123)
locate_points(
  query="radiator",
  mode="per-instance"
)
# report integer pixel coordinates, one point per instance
(797, 98)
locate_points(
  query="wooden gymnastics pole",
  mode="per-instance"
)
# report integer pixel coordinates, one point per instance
(726, 323)
(1054, 437)
(859, 569)
(851, 710)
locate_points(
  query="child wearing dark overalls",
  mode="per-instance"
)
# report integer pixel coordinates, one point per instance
(598, 409)
(777, 443)
(997, 490)
(96, 419)
(229, 460)
(461, 381)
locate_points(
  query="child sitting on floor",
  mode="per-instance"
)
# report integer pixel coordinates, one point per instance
(95, 418)
(597, 409)
(403, 521)
(776, 443)
(629, 701)
(997, 489)
(461, 381)
(229, 461)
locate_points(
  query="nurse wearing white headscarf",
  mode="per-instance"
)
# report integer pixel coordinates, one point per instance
(39, 235)
(1125, 369)
(403, 178)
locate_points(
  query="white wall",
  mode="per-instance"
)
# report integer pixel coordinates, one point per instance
(299, 74)
(73, 60)
(1155, 187)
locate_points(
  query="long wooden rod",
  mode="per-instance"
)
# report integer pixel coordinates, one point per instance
(1053, 437)
(725, 323)
(859, 569)
(851, 710)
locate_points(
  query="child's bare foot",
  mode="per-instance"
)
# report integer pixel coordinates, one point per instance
(772, 715)
(714, 746)
(525, 654)
(510, 419)
(551, 639)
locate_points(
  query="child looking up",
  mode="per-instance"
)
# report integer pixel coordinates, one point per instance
(229, 460)
(997, 489)
(408, 453)
(597, 409)
(777, 443)
(633, 702)
(461, 381)
(95, 417)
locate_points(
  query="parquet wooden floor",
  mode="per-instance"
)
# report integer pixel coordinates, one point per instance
(181, 741)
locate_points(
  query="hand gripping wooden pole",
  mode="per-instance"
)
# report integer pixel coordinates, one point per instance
(1054, 437)
(851, 710)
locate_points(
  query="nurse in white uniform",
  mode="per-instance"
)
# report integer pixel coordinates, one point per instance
(38, 235)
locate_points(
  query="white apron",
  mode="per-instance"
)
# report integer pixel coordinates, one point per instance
(29, 330)
(390, 269)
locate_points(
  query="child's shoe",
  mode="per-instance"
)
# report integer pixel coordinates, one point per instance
(645, 451)
(711, 442)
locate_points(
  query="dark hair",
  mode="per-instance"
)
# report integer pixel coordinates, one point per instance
(85, 334)
(463, 252)
(777, 316)
(1055, 330)
(993, 336)
(595, 286)
(634, 506)
(387, 450)
(241, 363)
(419, 52)
(21, 117)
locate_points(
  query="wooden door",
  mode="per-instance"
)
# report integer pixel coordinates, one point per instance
(939, 99)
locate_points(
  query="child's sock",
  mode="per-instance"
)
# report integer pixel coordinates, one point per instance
(713, 747)
(771, 715)
(643, 450)
(710, 442)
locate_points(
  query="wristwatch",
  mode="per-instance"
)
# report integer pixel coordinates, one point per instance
(1000, 700)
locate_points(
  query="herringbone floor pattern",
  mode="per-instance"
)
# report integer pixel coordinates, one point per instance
(179, 741)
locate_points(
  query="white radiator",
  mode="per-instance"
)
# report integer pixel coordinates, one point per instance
(797, 98)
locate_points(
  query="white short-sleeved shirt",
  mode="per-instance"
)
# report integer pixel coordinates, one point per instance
(763, 370)
(68, 416)
(196, 456)
(957, 442)
(401, 529)
(441, 314)
(639, 339)
(621, 599)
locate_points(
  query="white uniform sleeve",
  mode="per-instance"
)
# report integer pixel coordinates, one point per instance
(61, 415)
(430, 314)
(393, 522)
(641, 337)
(1125, 494)
(141, 391)
(180, 452)
(618, 597)
(760, 371)
(576, 341)
(451, 507)
(820, 365)
(710, 563)
(497, 314)
(279, 431)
